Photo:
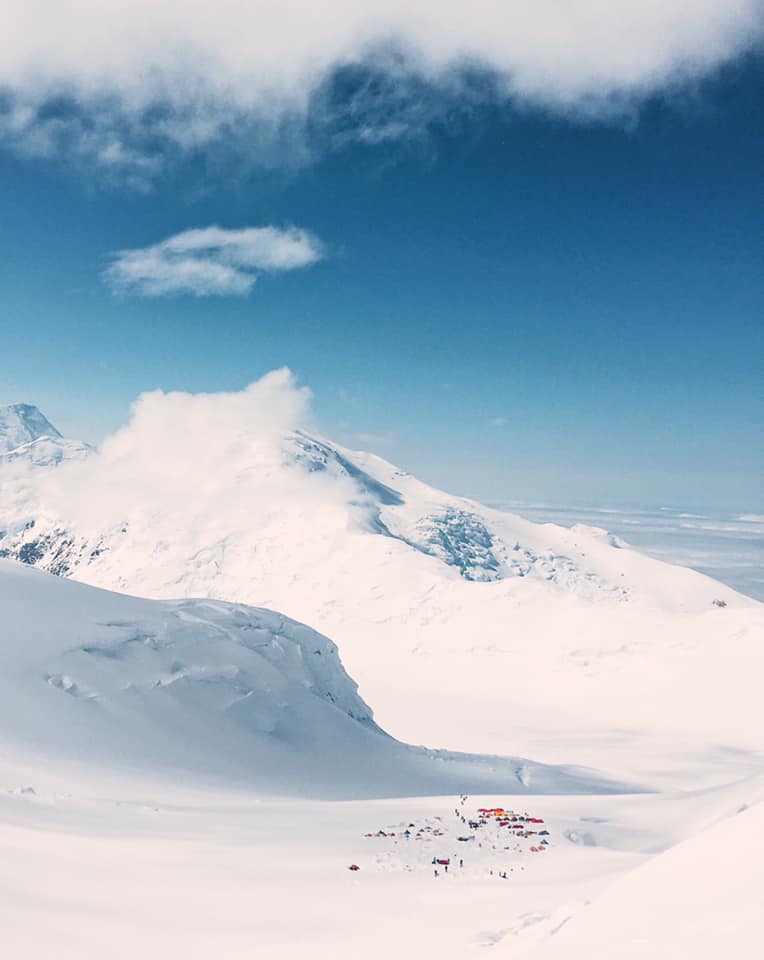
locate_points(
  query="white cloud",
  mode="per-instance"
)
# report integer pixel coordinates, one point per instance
(180, 451)
(499, 422)
(211, 261)
(128, 82)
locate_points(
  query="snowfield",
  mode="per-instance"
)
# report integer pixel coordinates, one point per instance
(214, 693)
(193, 774)
(158, 872)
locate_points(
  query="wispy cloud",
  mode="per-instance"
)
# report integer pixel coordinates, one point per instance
(211, 261)
(132, 85)
(499, 422)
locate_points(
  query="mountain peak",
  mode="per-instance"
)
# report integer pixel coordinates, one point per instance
(22, 423)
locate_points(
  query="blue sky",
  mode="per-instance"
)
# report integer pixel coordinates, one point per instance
(512, 301)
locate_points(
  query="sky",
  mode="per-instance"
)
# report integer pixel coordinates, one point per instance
(520, 256)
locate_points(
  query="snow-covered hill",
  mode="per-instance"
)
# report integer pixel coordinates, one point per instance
(216, 693)
(701, 899)
(464, 626)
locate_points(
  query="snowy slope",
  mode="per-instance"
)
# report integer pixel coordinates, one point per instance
(183, 873)
(463, 625)
(47, 452)
(211, 691)
(701, 899)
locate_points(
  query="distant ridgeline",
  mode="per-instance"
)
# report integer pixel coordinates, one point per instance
(338, 495)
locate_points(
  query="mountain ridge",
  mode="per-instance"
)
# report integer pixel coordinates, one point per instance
(22, 423)
(27, 436)
(434, 600)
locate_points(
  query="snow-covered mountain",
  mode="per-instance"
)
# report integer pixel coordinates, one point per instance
(22, 423)
(464, 626)
(217, 693)
(467, 539)
(28, 436)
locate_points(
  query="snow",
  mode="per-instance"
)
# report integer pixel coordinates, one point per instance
(47, 451)
(28, 437)
(720, 543)
(190, 874)
(213, 693)
(157, 876)
(464, 626)
(22, 423)
(192, 774)
(701, 899)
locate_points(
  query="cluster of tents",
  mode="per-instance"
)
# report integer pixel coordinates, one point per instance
(494, 832)
(418, 833)
(505, 817)
(518, 824)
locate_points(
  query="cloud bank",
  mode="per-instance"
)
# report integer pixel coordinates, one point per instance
(211, 261)
(180, 452)
(130, 83)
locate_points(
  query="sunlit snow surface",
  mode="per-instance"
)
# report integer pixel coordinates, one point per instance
(142, 744)
(154, 872)
(465, 627)
(726, 545)
(212, 693)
